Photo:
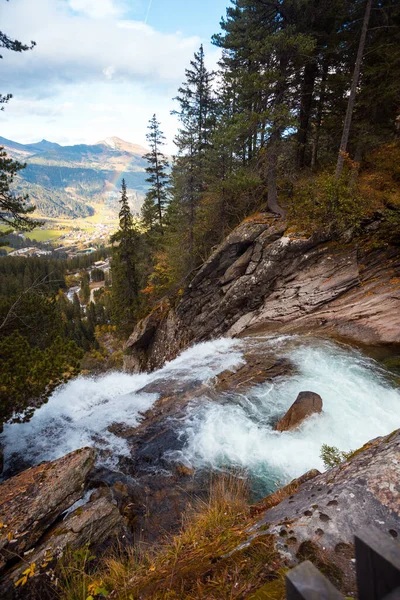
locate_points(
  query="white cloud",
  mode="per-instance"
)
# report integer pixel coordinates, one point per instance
(97, 9)
(88, 113)
(72, 47)
(90, 77)
(109, 72)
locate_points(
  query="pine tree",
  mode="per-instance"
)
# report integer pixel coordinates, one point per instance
(126, 268)
(263, 53)
(125, 215)
(197, 118)
(14, 210)
(156, 198)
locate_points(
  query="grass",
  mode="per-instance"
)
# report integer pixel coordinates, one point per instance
(201, 561)
(44, 235)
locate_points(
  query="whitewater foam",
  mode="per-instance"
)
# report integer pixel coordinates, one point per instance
(360, 403)
(80, 413)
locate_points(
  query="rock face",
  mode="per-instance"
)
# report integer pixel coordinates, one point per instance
(306, 404)
(32, 501)
(325, 512)
(266, 277)
(38, 520)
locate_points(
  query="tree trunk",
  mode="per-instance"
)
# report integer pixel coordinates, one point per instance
(357, 159)
(273, 149)
(158, 185)
(353, 92)
(320, 112)
(307, 93)
(273, 154)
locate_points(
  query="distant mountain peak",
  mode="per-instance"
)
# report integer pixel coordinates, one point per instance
(45, 145)
(66, 181)
(115, 143)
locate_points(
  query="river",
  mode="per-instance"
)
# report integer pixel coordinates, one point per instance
(361, 401)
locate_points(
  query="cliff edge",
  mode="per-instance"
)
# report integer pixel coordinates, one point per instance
(267, 277)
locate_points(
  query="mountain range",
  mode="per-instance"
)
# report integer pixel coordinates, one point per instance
(69, 181)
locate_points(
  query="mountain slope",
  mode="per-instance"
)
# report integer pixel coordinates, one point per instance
(66, 181)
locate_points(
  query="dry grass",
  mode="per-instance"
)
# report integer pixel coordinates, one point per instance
(202, 561)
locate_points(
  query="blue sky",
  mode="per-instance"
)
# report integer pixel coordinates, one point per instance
(192, 17)
(99, 68)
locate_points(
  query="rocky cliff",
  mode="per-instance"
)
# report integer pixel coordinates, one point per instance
(321, 513)
(265, 276)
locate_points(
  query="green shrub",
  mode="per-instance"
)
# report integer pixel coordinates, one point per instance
(326, 203)
(332, 456)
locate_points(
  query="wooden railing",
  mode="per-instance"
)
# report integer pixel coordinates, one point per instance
(377, 568)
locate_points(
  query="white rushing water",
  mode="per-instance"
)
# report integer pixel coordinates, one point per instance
(79, 413)
(360, 402)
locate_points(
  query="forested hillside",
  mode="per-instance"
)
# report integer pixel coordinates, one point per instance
(300, 120)
(43, 335)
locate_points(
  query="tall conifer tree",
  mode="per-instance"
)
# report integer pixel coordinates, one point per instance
(126, 268)
(156, 198)
(196, 114)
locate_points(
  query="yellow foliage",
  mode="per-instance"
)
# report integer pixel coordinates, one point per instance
(29, 572)
(97, 589)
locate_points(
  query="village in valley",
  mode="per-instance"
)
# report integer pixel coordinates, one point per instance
(65, 242)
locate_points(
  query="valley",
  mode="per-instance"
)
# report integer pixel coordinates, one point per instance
(82, 181)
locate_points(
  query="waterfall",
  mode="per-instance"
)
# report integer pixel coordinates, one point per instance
(361, 401)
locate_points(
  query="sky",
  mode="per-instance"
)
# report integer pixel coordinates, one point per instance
(100, 68)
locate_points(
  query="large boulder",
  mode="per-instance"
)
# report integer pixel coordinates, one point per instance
(318, 519)
(317, 516)
(306, 405)
(94, 523)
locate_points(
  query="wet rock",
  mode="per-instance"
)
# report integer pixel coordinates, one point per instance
(33, 500)
(287, 491)
(91, 524)
(238, 268)
(306, 405)
(259, 367)
(146, 328)
(42, 511)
